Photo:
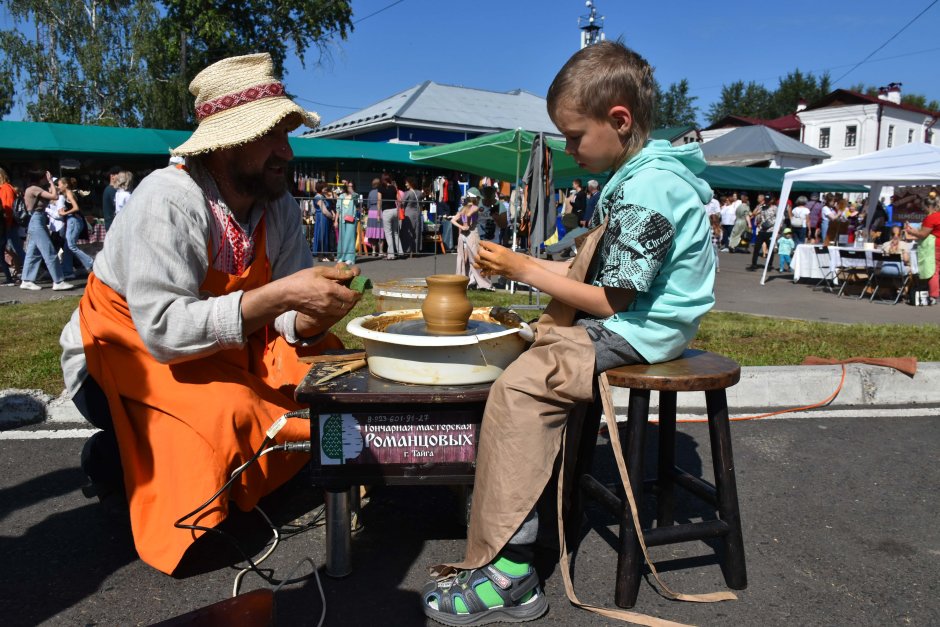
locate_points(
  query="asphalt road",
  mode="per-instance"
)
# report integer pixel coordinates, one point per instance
(839, 518)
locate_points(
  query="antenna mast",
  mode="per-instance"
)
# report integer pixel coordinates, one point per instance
(591, 25)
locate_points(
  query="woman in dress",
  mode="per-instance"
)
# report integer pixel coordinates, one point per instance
(347, 216)
(374, 233)
(123, 182)
(322, 223)
(930, 226)
(40, 248)
(741, 231)
(411, 226)
(468, 240)
(74, 225)
(390, 222)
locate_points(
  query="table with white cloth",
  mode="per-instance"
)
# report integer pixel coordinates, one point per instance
(804, 261)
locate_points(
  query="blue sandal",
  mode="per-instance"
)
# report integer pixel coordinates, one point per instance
(463, 585)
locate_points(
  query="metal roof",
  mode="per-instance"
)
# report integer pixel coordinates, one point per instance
(758, 143)
(448, 107)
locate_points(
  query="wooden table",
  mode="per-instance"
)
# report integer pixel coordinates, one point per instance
(370, 431)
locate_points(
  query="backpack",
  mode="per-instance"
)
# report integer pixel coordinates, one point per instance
(20, 213)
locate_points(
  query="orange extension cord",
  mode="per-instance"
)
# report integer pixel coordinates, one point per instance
(773, 413)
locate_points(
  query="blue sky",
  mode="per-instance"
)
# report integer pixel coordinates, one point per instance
(508, 44)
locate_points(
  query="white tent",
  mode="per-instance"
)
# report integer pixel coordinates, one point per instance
(910, 164)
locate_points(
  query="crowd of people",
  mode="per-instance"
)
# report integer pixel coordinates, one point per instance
(43, 222)
(737, 227)
(740, 227)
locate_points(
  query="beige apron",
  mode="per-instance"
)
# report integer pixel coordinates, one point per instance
(524, 422)
(523, 428)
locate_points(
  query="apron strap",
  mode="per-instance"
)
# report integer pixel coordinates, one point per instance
(624, 615)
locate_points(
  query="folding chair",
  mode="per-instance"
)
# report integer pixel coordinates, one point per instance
(853, 268)
(824, 263)
(892, 269)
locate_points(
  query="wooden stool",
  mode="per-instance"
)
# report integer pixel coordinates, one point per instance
(695, 371)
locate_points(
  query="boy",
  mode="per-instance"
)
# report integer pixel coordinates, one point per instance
(785, 246)
(637, 300)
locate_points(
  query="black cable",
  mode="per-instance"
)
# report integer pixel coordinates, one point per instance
(903, 28)
(297, 446)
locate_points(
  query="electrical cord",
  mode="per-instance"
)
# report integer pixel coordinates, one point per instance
(316, 576)
(262, 450)
(267, 554)
(774, 413)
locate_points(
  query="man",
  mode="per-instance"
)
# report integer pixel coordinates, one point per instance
(594, 193)
(579, 204)
(713, 207)
(184, 348)
(107, 197)
(764, 216)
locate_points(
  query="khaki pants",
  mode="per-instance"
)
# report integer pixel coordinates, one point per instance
(524, 421)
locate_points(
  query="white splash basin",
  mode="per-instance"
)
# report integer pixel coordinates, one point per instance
(439, 359)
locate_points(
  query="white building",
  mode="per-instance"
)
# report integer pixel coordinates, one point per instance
(847, 123)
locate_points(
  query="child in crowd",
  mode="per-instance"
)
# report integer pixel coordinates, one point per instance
(785, 246)
(635, 293)
(714, 221)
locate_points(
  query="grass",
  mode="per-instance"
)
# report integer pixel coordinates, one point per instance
(29, 346)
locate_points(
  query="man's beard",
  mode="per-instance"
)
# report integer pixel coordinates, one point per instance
(259, 185)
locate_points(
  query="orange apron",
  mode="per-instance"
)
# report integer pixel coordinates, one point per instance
(183, 428)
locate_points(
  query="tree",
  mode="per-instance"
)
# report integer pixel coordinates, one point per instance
(795, 86)
(751, 100)
(77, 62)
(195, 33)
(129, 62)
(675, 107)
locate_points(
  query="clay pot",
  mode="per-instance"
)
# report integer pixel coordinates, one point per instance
(446, 308)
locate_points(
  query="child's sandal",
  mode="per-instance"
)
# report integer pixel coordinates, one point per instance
(464, 584)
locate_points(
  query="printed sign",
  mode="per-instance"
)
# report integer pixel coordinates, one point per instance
(399, 438)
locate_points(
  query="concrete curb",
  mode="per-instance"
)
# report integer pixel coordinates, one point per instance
(761, 388)
(781, 387)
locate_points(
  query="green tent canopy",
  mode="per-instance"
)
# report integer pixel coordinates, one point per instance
(764, 180)
(501, 155)
(76, 140)
(79, 140)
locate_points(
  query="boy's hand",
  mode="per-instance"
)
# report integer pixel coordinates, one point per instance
(493, 259)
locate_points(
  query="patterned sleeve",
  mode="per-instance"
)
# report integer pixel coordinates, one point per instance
(635, 244)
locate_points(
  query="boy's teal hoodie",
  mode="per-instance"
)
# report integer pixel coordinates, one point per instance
(662, 321)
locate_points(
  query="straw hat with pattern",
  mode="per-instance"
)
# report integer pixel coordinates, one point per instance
(238, 100)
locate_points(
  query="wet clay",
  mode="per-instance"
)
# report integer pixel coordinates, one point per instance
(446, 308)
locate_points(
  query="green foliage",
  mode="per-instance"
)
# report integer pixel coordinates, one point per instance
(675, 107)
(129, 62)
(920, 100)
(794, 86)
(195, 33)
(75, 61)
(751, 100)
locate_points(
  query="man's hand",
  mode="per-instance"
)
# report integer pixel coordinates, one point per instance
(320, 297)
